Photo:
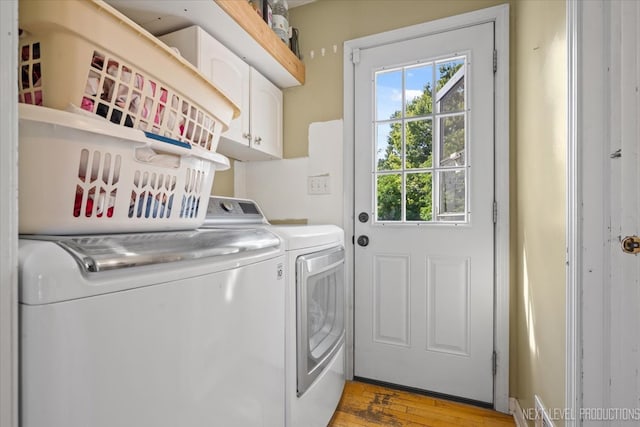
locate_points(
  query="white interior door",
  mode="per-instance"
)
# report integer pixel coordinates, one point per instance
(624, 297)
(424, 223)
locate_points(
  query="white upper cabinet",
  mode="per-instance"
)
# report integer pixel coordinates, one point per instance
(257, 133)
(265, 116)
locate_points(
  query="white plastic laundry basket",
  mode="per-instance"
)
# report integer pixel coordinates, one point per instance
(80, 174)
(86, 53)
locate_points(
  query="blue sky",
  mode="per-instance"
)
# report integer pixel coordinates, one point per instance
(389, 88)
(389, 96)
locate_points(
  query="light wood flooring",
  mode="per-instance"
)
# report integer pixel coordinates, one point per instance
(364, 405)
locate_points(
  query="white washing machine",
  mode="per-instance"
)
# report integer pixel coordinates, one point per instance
(315, 310)
(155, 329)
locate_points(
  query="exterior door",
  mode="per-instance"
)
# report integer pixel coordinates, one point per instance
(424, 222)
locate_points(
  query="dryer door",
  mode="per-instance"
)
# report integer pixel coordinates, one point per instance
(320, 312)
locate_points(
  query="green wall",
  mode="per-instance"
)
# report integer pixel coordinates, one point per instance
(326, 23)
(540, 111)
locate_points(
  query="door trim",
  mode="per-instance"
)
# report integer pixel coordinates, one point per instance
(499, 15)
(9, 215)
(573, 391)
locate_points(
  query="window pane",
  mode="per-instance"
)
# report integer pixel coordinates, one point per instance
(389, 146)
(453, 100)
(450, 86)
(388, 95)
(452, 195)
(419, 201)
(389, 197)
(419, 143)
(452, 141)
(418, 90)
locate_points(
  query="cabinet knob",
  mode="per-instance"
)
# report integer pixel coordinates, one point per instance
(257, 140)
(246, 135)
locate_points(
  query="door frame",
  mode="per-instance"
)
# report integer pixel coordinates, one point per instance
(9, 214)
(577, 41)
(500, 16)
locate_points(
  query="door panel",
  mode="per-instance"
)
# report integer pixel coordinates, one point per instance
(391, 300)
(424, 174)
(448, 305)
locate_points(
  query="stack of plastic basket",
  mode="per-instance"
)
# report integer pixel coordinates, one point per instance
(122, 132)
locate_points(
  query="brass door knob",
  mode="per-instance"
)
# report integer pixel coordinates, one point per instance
(631, 245)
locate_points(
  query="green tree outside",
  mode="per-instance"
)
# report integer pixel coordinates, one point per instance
(419, 150)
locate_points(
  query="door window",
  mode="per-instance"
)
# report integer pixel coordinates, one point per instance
(415, 180)
(324, 308)
(320, 312)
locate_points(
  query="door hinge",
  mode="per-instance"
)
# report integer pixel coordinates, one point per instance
(353, 240)
(494, 363)
(355, 56)
(495, 61)
(495, 212)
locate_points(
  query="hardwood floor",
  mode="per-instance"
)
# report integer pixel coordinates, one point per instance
(364, 405)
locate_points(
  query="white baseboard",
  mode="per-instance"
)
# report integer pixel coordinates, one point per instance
(516, 411)
(542, 416)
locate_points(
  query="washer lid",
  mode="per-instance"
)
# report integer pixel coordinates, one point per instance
(101, 253)
(306, 236)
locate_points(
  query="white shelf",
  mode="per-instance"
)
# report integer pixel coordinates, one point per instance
(161, 17)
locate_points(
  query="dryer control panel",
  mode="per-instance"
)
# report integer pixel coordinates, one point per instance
(230, 211)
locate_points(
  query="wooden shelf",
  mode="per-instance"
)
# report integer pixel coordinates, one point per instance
(232, 22)
(248, 19)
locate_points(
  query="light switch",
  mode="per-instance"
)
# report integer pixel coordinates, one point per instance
(318, 185)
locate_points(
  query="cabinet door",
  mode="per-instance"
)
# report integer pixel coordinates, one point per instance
(230, 73)
(224, 68)
(266, 116)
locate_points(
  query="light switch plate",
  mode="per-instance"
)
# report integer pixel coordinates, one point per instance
(318, 185)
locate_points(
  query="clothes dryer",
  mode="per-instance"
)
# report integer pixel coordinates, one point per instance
(315, 353)
(314, 307)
